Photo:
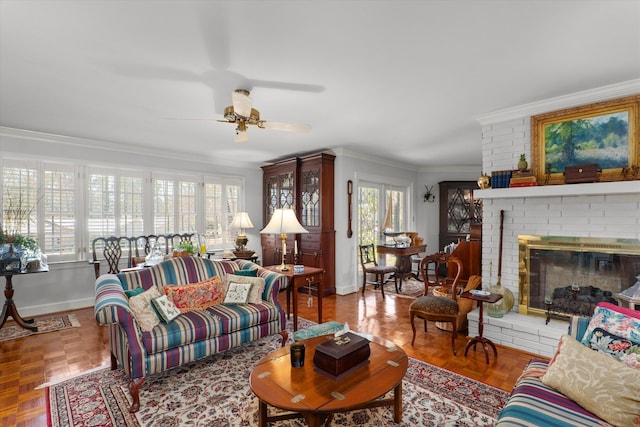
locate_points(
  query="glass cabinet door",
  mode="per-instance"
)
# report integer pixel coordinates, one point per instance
(310, 198)
(458, 210)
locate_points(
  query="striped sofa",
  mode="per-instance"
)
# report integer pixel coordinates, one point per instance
(533, 403)
(192, 335)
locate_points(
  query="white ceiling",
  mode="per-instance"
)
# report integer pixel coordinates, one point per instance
(398, 79)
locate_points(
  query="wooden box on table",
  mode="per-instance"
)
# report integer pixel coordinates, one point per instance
(340, 356)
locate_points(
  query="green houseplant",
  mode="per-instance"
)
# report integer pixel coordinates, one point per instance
(15, 246)
(186, 247)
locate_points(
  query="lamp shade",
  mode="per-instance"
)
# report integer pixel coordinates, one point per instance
(283, 221)
(241, 220)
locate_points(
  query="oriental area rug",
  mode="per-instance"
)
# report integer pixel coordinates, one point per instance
(11, 330)
(216, 392)
(411, 288)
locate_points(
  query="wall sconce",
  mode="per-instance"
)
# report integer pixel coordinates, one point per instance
(429, 196)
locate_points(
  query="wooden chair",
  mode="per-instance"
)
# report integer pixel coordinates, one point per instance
(370, 265)
(437, 308)
(112, 250)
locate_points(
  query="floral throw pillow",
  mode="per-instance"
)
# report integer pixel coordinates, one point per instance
(165, 308)
(196, 296)
(238, 293)
(613, 332)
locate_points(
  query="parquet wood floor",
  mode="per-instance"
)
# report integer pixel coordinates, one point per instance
(28, 362)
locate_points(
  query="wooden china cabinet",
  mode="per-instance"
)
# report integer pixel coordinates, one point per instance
(305, 184)
(458, 210)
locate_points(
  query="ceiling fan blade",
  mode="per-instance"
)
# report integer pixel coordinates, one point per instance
(191, 119)
(241, 103)
(287, 127)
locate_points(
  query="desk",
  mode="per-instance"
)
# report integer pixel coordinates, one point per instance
(310, 276)
(253, 258)
(403, 258)
(491, 298)
(9, 308)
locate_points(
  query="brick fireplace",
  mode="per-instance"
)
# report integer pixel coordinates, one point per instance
(608, 210)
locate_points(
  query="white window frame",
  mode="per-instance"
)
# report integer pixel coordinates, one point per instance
(81, 202)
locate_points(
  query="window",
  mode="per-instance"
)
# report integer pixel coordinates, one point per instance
(115, 203)
(19, 197)
(131, 206)
(59, 219)
(222, 200)
(379, 207)
(163, 206)
(64, 206)
(38, 200)
(186, 207)
(102, 206)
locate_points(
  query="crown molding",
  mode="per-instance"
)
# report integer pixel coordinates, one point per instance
(373, 159)
(617, 90)
(8, 132)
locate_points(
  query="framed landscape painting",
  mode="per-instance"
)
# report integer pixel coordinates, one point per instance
(606, 133)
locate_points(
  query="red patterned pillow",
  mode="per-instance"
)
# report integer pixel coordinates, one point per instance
(196, 296)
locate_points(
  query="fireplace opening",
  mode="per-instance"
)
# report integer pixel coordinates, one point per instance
(563, 276)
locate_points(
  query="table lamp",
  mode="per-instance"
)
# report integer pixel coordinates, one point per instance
(283, 222)
(241, 221)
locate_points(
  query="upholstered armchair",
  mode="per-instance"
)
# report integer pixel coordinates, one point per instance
(445, 306)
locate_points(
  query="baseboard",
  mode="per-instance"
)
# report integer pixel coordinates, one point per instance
(37, 310)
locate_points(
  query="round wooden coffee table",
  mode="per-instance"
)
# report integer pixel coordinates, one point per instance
(315, 397)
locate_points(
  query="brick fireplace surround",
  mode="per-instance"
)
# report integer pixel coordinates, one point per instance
(610, 210)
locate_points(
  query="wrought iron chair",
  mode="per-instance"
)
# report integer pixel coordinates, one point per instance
(438, 308)
(370, 265)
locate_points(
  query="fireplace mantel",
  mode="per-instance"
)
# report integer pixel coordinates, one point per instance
(589, 189)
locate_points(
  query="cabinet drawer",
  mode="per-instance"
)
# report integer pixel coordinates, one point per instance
(310, 241)
(310, 246)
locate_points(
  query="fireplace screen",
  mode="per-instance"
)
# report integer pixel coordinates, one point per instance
(561, 276)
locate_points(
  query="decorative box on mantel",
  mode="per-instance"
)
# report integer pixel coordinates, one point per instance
(581, 173)
(341, 355)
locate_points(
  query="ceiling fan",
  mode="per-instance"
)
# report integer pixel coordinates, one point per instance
(242, 114)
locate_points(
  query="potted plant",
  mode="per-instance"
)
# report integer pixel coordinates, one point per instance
(15, 249)
(522, 164)
(186, 248)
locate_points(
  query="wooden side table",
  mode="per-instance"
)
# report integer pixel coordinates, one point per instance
(310, 276)
(9, 308)
(491, 298)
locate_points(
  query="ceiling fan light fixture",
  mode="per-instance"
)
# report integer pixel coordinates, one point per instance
(241, 132)
(241, 136)
(229, 114)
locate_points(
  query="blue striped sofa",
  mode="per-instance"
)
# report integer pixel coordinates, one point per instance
(192, 335)
(533, 404)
